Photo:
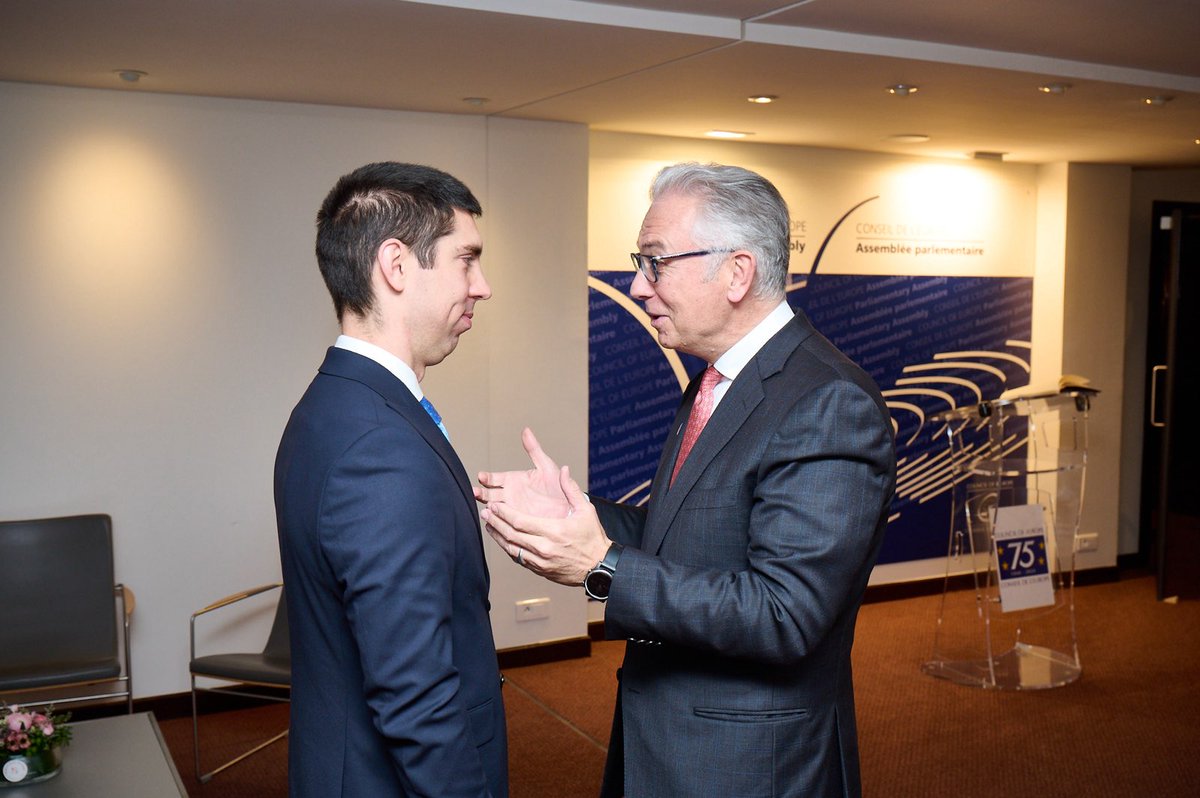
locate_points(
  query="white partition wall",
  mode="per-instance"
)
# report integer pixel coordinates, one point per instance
(161, 312)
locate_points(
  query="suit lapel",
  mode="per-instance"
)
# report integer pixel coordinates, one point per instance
(353, 366)
(739, 402)
(666, 461)
(735, 408)
(416, 414)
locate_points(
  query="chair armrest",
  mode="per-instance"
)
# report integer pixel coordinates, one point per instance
(236, 597)
(225, 602)
(127, 598)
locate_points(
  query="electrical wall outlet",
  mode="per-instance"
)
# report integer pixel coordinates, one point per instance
(1087, 542)
(534, 609)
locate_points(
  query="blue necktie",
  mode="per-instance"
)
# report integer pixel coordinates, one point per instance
(428, 405)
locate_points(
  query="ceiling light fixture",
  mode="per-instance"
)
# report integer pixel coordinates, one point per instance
(762, 99)
(130, 75)
(908, 138)
(903, 89)
(1054, 88)
(1158, 99)
(727, 134)
(476, 101)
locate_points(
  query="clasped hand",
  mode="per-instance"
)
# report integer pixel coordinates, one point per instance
(541, 518)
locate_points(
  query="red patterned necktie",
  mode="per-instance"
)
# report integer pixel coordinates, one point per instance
(702, 408)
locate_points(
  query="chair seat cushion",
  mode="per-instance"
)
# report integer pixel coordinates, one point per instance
(58, 673)
(244, 668)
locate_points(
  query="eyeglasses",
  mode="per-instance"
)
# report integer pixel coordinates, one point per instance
(648, 264)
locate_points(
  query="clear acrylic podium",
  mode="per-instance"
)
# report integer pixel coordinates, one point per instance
(1016, 458)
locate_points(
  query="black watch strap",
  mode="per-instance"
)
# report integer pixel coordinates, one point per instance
(609, 563)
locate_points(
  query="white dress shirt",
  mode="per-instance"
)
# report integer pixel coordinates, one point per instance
(737, 356)
(402, 370)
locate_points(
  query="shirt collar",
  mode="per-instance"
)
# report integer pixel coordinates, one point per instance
(395, 365)
(737, 356)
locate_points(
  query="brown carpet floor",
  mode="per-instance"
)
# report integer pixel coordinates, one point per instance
(1129, 727)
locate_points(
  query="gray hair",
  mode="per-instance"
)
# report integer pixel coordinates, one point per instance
(741, 210)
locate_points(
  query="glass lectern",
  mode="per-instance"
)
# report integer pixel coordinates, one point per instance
(1018, 468)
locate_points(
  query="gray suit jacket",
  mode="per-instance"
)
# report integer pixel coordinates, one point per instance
(741, 584)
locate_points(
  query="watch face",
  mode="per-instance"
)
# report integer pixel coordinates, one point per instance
(597, 583)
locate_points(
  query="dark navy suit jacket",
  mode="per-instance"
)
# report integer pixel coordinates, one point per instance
(742, 581)
(395, 685)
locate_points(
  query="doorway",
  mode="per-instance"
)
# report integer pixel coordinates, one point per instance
(1170, 529)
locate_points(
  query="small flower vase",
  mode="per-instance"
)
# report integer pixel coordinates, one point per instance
(17, 770)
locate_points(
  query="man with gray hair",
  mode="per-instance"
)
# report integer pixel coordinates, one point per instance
(737, 586)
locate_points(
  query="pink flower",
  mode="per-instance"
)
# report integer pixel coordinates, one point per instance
(19, 720)
(19, 731)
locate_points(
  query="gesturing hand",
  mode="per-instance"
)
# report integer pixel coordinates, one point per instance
(561, 549)
(537, 491)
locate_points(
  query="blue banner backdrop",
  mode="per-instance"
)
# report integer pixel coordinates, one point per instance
(930, 342)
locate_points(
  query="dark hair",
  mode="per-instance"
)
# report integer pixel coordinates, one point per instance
(411, 203)
(742, 210)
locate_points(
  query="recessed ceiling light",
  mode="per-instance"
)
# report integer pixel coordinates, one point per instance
(1054, 88)
(129, 75)
(1158, 99)
(475, 100)
(727, 134)
(903, 89)
(762, 99)
(909, 138)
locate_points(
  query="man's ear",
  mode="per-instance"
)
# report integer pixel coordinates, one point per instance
(741, 276)
(391, 260)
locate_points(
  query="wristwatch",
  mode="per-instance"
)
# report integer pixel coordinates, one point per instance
(598, 580)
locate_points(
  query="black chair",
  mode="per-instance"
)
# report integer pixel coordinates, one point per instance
(64, 621)
(271, 668)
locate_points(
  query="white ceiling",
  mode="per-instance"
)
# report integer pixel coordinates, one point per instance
(671, 67)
